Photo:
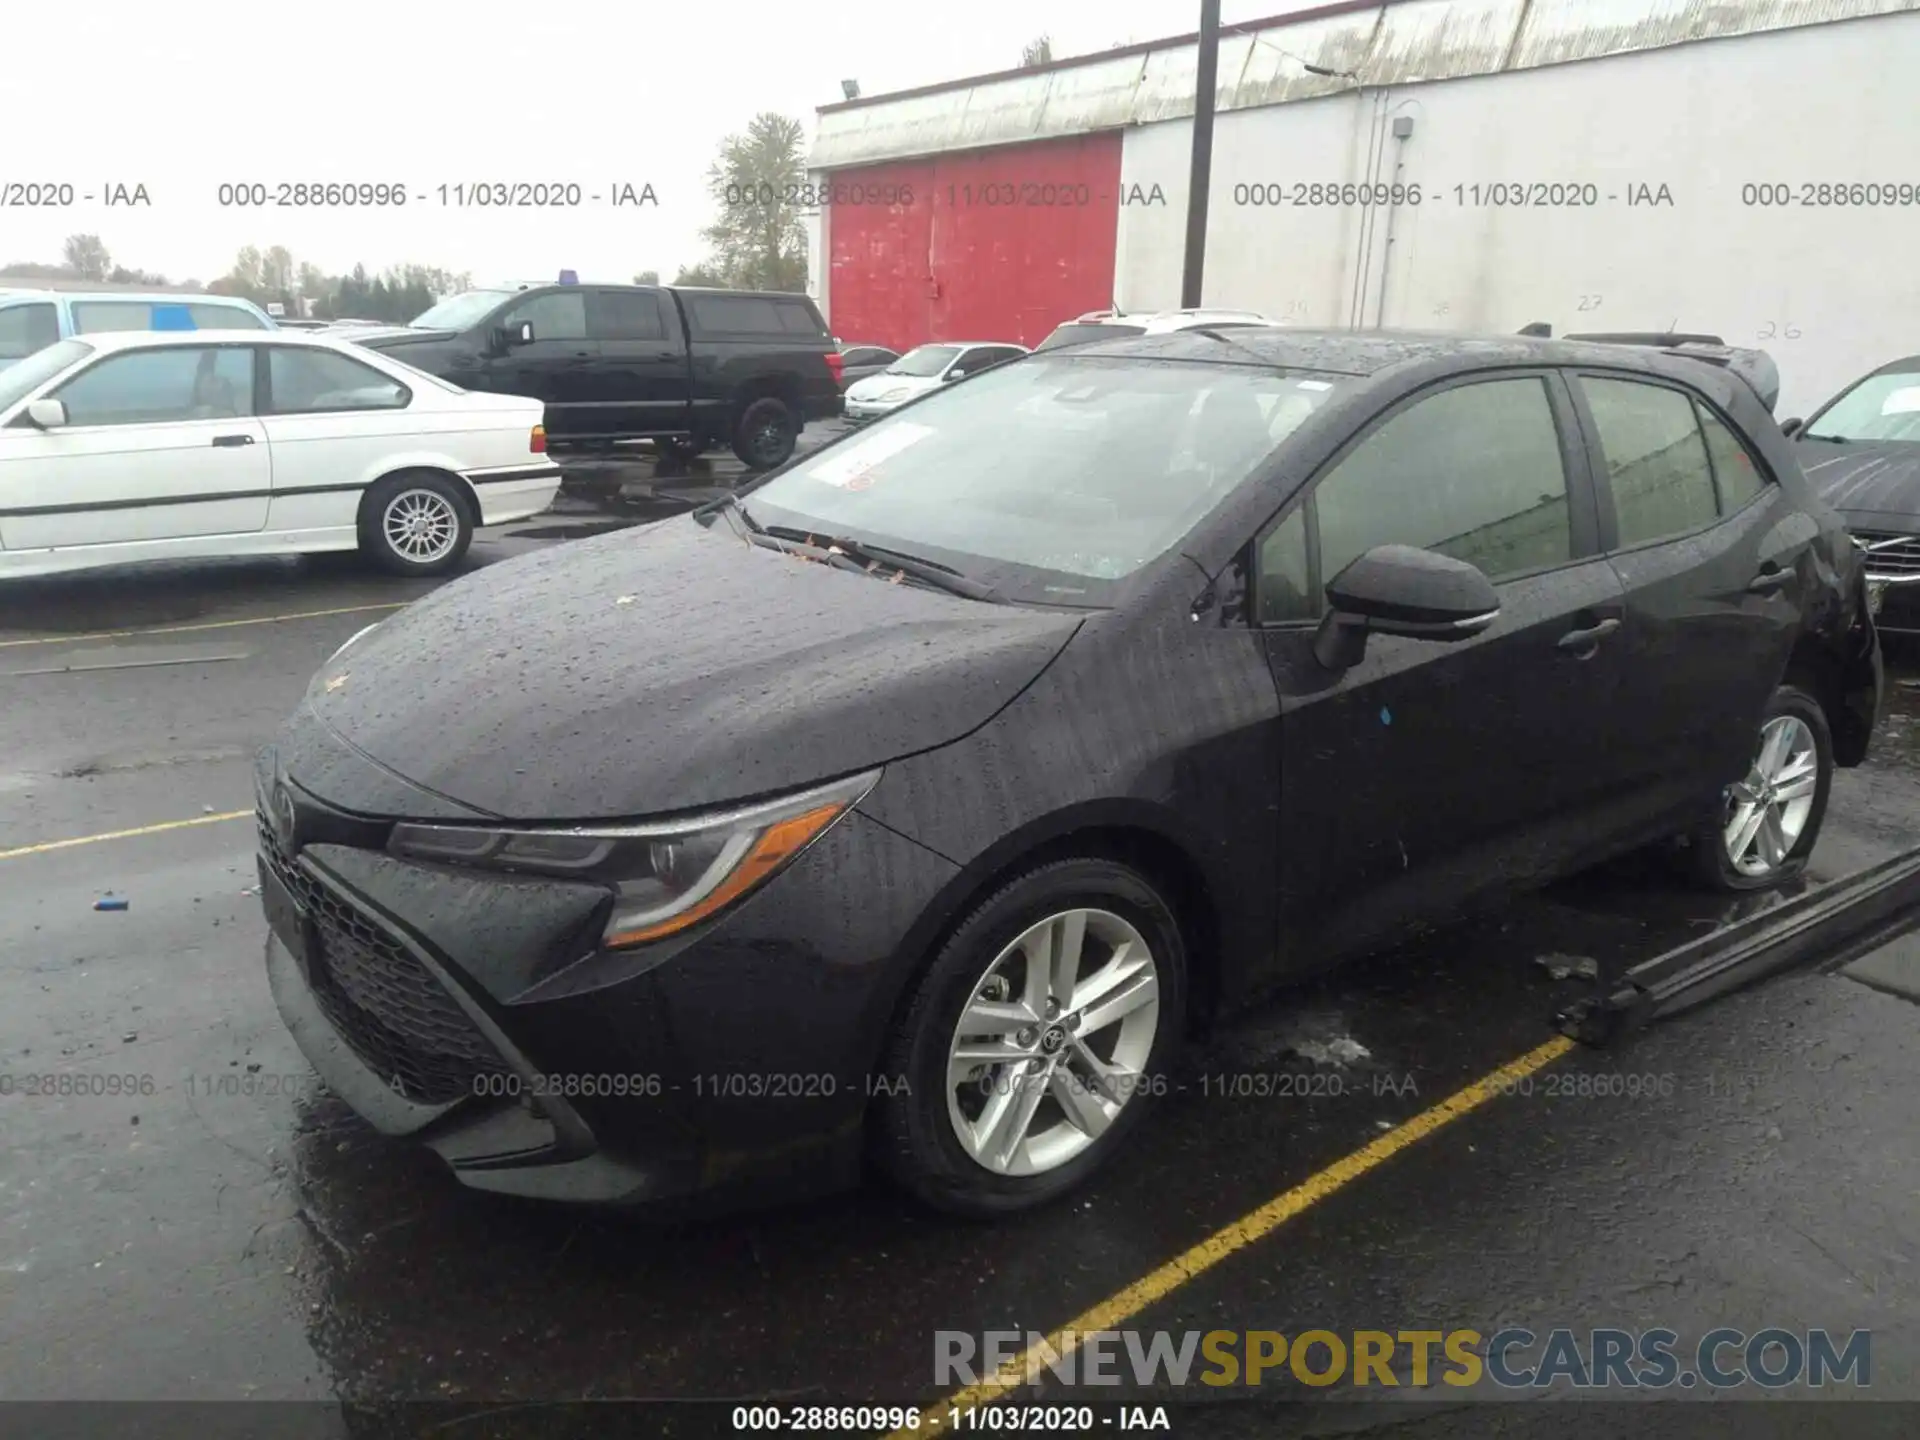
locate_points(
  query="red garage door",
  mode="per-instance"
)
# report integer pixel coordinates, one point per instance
(996, 244)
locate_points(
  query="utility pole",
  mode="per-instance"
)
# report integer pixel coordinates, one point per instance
(1200, 179)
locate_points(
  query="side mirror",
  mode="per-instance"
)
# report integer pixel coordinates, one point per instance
(1399, 590)
(505, 337)
(953, 375)
(47, 414)
(1791, 428)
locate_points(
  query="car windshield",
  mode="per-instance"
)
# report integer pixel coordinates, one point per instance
(457, 312)
(1086, 334)
(23, 377)
(925, 362)
(1880, 407)
(1051, 479)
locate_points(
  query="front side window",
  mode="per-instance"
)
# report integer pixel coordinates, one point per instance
(556, 315)
(305, 381)
(1880, 408)
(171, 383)
(1053, 478)
(1474, 472)
(1657, 466)
(27, 328)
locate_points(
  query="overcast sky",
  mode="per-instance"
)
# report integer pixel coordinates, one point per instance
(187, 95)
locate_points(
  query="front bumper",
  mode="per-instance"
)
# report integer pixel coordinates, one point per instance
(473, 1013)
(871, 409)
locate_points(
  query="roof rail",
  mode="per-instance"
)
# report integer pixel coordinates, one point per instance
(1755, 367)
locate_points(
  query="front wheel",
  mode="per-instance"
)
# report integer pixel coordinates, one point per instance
(1769, 821)
(1035, 1041)
(415, 524)
(766, 434)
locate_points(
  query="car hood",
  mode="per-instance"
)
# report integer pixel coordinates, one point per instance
(666, 669)
(874, 386)
(1875, 485)
(386, 337)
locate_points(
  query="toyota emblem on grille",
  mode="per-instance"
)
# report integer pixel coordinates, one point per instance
(285, 818)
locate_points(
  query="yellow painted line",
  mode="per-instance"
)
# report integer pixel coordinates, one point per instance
(48, 845)
(203, 625)
(1117, 1309)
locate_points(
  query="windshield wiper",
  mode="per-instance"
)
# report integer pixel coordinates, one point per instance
(735, 508)
(928, 572)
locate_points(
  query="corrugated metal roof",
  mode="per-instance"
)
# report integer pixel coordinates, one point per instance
(1264, 63)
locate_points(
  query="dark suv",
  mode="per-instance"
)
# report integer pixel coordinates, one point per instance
(687, 368)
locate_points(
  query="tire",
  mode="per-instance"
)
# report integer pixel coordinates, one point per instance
(766, 434)
(916, 1128)
(1795, 715)
(437, 511)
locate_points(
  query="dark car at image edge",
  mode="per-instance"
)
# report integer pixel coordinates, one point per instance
(686, 368)
(1861, 452)
(940, 784)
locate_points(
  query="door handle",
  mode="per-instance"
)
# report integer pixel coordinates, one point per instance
(224, 441)
(1768, 581)
(1587, 640)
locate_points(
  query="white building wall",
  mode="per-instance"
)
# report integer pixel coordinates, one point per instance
(1829, 290)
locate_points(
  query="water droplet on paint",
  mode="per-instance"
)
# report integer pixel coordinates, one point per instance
(1386, 716)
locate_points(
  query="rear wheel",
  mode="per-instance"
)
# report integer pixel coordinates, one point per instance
(1769, 821)
(766, 433)
(415, 524)
(1034, 1041)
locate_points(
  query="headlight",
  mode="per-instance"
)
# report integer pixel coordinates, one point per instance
(665, 877)
(899, 392)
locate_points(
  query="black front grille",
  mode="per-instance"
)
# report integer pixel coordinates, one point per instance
(1890, 555)
(398, 1019)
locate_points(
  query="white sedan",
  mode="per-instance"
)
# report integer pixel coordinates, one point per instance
(188, 444)
(921, 371)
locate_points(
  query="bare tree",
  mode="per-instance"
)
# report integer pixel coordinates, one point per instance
(87, 257)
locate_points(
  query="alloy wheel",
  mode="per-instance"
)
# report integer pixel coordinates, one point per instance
(1054, 1042)
(421, 526)
(1767, 812)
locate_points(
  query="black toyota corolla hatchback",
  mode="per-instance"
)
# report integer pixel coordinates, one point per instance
(908, 808)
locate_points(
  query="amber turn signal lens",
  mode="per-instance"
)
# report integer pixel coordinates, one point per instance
(779, 843)
(537, 444)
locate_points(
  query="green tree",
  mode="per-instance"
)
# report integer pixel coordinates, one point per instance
(760, 240)
(87, 257)
(1037, 52)
(647, 277)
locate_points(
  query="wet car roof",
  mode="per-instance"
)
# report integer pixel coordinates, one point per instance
(1366, 352)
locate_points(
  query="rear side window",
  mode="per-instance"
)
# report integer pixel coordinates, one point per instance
(1087, 334)
(1736, 473)
(25, 329)
(737, 315)
(305, 382)
(224, 317)
(623, 315)
(798, 319)
(1657, 465)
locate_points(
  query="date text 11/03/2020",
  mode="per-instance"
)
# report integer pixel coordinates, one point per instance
(446, 194)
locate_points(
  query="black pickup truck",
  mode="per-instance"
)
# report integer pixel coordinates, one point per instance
(686, 368)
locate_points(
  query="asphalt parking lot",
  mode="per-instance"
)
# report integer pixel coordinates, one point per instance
(229, 1231)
